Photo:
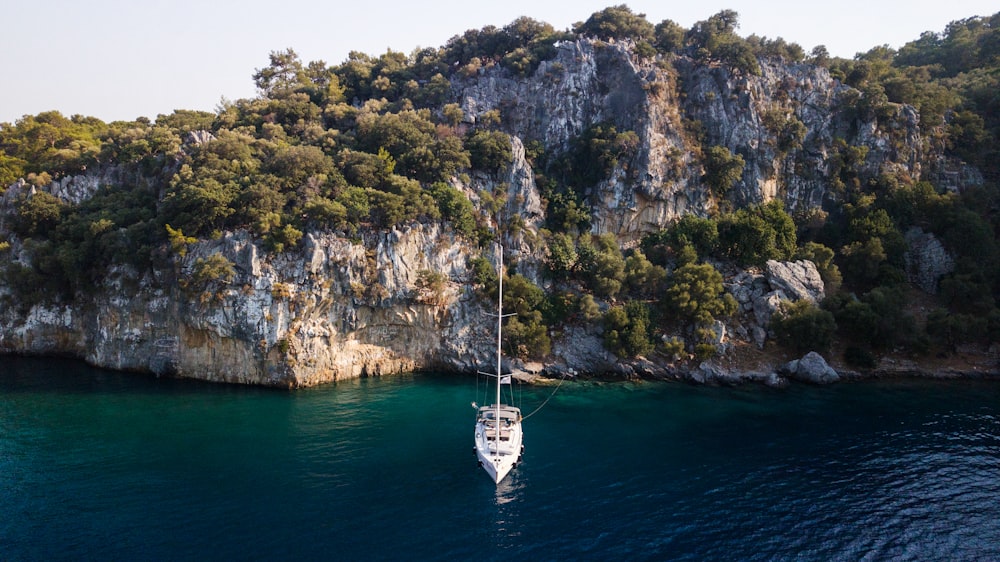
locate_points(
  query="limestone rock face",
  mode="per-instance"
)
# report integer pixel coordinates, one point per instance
(591, 82)
(336, 309)
(759, 296)
(798, 280)
(927, 260)
(198, 138)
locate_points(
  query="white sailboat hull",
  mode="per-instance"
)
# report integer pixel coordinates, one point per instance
(498, 427)
(499, 451)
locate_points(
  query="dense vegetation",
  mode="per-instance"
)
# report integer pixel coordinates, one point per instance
(373, 142)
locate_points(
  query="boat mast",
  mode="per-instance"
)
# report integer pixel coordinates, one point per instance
(499, 327)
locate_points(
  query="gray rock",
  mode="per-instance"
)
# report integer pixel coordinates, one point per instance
(759, 336)
(720, 336)
(799, 279)
(927, 261)
(709, 373)
(198, 138)
(745, 287)
(812, 368)
(766, 305)
(774, 380)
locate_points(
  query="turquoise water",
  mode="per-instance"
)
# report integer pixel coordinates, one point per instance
(101, 465)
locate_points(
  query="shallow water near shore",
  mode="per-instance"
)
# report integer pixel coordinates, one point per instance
(96, 464)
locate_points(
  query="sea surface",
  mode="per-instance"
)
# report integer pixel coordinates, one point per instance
(102, 465)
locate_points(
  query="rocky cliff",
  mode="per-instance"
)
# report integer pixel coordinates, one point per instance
(342, 305)
(670, 103)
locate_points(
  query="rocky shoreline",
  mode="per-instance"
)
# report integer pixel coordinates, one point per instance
(299, 319)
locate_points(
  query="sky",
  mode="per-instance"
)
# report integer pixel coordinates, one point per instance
(122, 59)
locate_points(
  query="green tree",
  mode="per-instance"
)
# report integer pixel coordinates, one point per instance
(202, 195)
(669, 36)
(690, 231)
(286, 75)
(185, 120)
(37, 214)
(321, 212)
(562, 255)
(785, 236)
(716, 39)
(822, 257)
(949, 330)
(601, 261)
(357, 203)
(862, 262)
(453, 114)
(212, 269)
(50, 143)
(455, 207)
(722, 169)
(11, 169)
(626, 330)
(754, 235)
(696, 295)
(484, 274)
(803, 326)
(526, 335)
(178, 241)
(617, 22)
(489, 151)
(595, 154)
(879, 319)
(642, 278)
(293, 165)
(283, 238)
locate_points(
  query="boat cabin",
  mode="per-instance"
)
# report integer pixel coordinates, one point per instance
(509, 417)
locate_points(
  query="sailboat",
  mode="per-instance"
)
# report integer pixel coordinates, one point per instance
(498, 426)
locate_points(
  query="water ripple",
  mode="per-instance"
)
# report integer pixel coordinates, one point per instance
(128, 468)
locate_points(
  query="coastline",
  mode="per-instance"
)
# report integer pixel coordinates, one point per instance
(970, 366)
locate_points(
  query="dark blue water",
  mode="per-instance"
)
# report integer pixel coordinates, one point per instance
(99, 465)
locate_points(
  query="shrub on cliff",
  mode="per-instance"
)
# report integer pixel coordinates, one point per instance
(627, 330)
(594, 155)
(643, 278)
(879, 319)
(822, 257)
(601, 263)
(455, 207)
(37, 214)
(700, 234)
(526, 334)
(696, 295)
(617, 22)
(722, 169)
(489, 151)
(803, 327)
(213, 269)
(754, 235)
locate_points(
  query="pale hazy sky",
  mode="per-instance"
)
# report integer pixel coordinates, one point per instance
(121, 59)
